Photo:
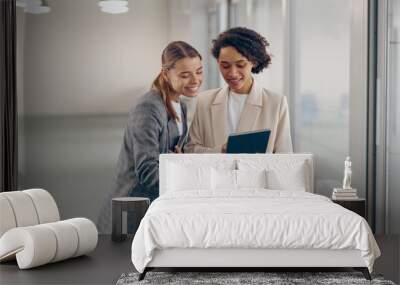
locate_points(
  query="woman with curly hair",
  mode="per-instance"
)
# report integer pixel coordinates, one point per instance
(242, 105)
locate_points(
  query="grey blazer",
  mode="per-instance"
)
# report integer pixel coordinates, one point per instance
(149, 132)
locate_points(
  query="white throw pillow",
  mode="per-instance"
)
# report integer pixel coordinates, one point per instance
(183, 177)
(223, 179)
(292, 178)
(251, 178)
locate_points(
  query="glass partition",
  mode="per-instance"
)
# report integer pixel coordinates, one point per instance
(311, 46)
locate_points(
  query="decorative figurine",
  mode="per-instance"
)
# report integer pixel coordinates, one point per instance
(347, 174)
(346, 192)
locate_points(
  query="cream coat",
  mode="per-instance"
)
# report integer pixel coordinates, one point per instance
(263, 110)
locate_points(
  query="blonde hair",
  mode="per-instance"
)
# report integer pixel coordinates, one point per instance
(170, 55)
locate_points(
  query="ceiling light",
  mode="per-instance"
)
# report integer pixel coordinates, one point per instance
(114, 6)
(115, 10)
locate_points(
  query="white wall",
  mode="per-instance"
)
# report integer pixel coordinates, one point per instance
(188, 21)
(79, 60)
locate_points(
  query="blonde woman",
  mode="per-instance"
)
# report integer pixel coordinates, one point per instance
(155, 125)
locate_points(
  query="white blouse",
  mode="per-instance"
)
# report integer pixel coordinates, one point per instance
(236, 104)
(178, 111)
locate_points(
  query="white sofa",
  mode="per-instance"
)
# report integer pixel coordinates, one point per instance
(31, 231)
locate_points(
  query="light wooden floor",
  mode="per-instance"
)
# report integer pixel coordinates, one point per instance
(110, 260)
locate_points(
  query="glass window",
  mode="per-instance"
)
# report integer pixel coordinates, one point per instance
(320, 98)
(310, 43)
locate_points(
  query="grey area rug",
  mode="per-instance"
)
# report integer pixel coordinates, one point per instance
(228, 278)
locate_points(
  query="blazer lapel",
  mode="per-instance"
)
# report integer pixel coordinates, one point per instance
(219, 116)
(184, 118)
(173, 132)
(251, 110)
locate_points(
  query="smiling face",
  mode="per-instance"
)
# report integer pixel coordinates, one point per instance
(236, 70)
(186, 76)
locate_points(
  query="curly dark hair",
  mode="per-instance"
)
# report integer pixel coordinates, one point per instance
(248, 43)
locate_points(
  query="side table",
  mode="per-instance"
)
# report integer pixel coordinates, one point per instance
(357, 205)
(122, 207)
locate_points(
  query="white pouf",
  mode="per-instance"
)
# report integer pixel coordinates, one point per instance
(31, 233)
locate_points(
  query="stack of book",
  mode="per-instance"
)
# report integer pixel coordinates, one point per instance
(344, 194)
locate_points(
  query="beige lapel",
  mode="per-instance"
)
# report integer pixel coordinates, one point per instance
(219, 116)
(251, 110)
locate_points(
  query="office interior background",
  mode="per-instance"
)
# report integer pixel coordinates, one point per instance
(80, 71)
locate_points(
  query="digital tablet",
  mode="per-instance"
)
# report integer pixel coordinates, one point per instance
(248, 142)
